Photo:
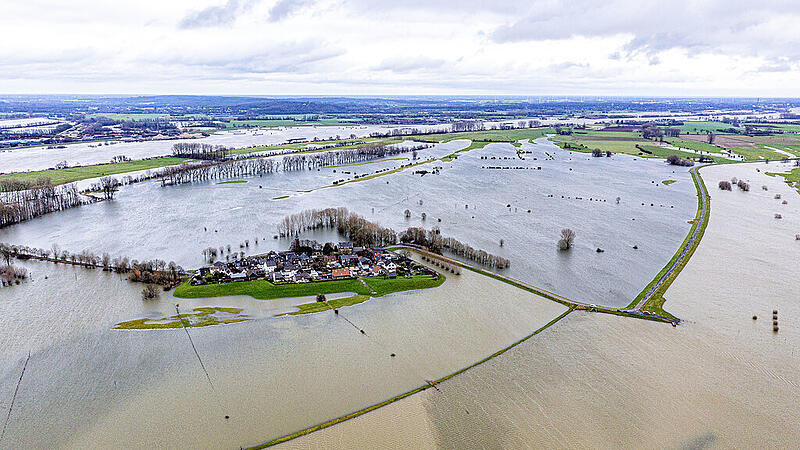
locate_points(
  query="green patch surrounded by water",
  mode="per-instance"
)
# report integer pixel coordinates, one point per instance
(201, 317)
(667, 182)
(232, 182)
(792, 177)
(264, 290)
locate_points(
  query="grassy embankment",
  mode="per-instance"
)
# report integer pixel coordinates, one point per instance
(421, 388)
(367, 162)
(202, 317)
(72, 174)
(264, 290)
(792, 177)
(232, 182)
(655, 304)
(531, 289)
(374, 175)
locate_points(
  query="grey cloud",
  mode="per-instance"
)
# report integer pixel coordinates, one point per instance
(732, 27)
(218, 15)
(285, 8)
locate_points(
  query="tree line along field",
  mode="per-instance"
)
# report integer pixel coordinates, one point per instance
(72, 174)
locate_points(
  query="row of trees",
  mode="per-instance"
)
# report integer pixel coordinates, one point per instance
(480, 256)
(153, 271)
(21, 201)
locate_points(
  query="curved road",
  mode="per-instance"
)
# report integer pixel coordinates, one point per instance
(703, 216)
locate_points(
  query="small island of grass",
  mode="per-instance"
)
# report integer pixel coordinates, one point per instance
(667, 182)
(201, 317)
(232, 182)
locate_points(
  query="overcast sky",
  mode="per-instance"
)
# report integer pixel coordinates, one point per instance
(362, 47)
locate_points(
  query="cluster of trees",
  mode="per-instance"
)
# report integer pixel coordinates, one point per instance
(650, 131)
(743, 185)
(156, 272)
(676, 160)
(195, 150)
(10, 275)
(356, 228)
(366, 233)
(725, 185)
(598, 153)
(24, 200)
(156, 124)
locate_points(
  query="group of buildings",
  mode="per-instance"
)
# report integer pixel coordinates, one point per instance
(313, 262)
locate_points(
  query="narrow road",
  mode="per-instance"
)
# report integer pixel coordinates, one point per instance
(701, 219)
(636, 310)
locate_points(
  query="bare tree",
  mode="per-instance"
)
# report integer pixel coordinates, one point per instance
(567, 238)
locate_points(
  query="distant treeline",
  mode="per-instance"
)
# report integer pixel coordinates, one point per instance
(195, 150)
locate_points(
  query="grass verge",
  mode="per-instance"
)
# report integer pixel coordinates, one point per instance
(72, 174)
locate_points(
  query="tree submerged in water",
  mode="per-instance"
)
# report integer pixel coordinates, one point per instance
(567, 238)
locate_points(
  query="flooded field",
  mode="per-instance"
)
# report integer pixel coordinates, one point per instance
(90, 386)
(276, 375)
(468, 201)
(719, 380)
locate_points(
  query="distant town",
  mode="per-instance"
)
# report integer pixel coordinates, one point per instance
(309, 261)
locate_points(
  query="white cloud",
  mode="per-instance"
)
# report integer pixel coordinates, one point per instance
(683, 47)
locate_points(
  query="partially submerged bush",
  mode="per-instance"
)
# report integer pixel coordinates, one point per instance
(567, 238)
(676, 160)
(150, 292)
(725, 185)
(743, 185)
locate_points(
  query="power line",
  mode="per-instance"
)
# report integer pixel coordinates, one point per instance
(14, 397)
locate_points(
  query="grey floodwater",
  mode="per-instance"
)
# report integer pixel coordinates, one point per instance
(466, 200)
(88, 385)
(719, 380)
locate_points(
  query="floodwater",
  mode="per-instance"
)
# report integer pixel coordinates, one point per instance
(466, 200)
(719, 380)
(87, 385)
(40, 158)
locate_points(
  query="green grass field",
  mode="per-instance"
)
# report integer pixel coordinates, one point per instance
(72, 174)
(703, 127)
(233, 182)
(201, 317)
(489, 135)
(264, 290)
(792, 177)
(474, 145)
